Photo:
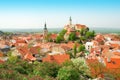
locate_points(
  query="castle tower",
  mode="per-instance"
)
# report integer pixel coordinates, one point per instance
(45, 33)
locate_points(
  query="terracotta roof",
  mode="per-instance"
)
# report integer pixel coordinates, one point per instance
(23, 50)
(35, 50)
(53, 36)
(79, 26)
(29, 56)
(116, 53)
(115, 63)
(58, 58)
(20, 41)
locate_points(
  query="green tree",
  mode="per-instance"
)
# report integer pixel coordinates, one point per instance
(46, 69)
(75, 50)
(62, 33)
(59, 39)
(72, 36)
(90, 34)
(68, 73)
(81, 48)
(81, 66)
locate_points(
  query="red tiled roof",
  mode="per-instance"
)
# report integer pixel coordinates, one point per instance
(23, 50)
(53, 36)
(115, 63)
(20, 41)
(35, 50)
(29, 56)
(116, 53)
(58, 58)
(79, 26)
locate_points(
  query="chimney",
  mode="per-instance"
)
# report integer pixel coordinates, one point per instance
(109, 59)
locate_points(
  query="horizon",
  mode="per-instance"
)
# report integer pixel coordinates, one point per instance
(29, 30)
(34, 13)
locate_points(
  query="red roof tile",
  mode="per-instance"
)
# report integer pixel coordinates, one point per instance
(29, 56)
(58, 58)
(113, 64)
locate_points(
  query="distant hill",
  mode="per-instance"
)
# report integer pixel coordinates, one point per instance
(105, 30)
(96, 29)
(32, 30)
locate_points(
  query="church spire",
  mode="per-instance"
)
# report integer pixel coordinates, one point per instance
(70, 20)
(45, 33)
(45, 26)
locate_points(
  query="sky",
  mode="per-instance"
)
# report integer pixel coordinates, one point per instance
(56, 13)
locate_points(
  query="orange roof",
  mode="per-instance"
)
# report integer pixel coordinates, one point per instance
(20, 41)
(35, 50)
(23, 50)
(53, 36)
(58, 58)
(115, 63)
(116, 53)
(29, 56)
(79, 26)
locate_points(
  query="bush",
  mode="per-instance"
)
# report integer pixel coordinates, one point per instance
(81, 66)
(46, 69)
(10, 75)
(68, 73)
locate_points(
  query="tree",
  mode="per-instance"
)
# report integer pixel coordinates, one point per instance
(74, 50)
(90, 34)
(77, 65)
(72, 36)
(97, 68)
(68, 73)
(81, 66)
(62, 33)
(58, 39)
(81, 48)
(46, 69)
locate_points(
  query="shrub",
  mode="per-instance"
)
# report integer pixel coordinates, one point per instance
(68, 73)
(46, 69)
(80, 65)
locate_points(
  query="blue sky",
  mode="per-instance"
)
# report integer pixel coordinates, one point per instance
(34, 13)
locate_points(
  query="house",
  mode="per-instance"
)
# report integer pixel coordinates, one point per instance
(53, 37)
(58, 58)
(88, 45)
(5, 49)
(113, 64)
(35, 49)
(80, 26)
(57, 49)
(100, 38)
(29, 57)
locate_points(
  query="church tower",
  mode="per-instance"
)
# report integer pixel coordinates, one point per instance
(45, 33)
(70, 21)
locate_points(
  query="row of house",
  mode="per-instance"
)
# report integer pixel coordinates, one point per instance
(105, 49)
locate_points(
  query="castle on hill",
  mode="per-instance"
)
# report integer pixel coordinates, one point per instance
(76, 28)
(73, 27)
